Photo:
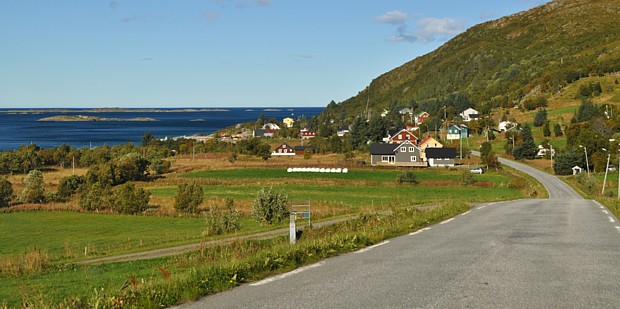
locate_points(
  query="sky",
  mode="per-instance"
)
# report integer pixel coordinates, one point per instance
(218, 53)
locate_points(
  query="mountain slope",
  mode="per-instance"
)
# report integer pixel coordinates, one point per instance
(499, 62)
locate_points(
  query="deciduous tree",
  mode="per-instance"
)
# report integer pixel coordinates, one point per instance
(269, 206)
(35, 188)
(189, 197)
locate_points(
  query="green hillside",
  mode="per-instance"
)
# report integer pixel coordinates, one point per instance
(499, 63)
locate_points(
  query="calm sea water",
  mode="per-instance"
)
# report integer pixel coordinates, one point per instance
(22, 127)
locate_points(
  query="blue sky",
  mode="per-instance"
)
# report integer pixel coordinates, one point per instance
(217, 53)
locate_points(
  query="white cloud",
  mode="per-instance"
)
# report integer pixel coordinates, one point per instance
(393, 17)
(430, 29)
(424, 30)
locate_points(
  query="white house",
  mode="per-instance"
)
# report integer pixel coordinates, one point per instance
(470, 114)
(271, 126)
(505, 126)
(542, 152)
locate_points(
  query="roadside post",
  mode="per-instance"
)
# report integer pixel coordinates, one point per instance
(292, 229)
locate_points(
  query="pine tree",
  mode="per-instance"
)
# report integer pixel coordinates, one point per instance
(6, 191)
(557, 130)
(546, 129)
(527, 149)
(540, 118)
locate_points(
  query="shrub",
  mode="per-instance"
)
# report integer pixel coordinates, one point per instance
(221, 222)
(69, 185)
(6, 191)
(587, 183)
(95, 196)
(127, 199)
(406, 178)
(188, 198)
(269, 207)
(159, 166)
(35, 188)
(466, 178)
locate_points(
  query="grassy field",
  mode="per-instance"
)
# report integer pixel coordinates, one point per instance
(166, 281)
(67, 234)
(38, 247)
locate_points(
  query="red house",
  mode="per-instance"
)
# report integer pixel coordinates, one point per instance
(284, 150)
(401, 136)
(420, 117)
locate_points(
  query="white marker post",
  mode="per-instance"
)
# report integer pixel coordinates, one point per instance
(293, 229)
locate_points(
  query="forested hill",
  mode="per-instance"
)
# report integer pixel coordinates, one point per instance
(497, 63)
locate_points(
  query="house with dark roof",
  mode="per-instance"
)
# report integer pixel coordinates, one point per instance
(437, 157)
(405, 154)
(470, 114)
(284, 150)
(428, 142)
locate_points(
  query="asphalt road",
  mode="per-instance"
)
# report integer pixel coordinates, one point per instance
(560, 252)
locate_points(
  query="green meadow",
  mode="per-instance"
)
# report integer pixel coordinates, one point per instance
(63, 238)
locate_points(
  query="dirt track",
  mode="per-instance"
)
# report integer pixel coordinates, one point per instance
(157, 253)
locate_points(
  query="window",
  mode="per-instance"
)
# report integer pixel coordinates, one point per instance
(414, 159)
(384, 159)
(411, 149)
(400, 136)
(403, 149)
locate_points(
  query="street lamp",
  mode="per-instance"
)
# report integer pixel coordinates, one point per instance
(606, 169)
(585, 151)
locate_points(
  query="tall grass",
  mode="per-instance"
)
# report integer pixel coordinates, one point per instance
(221, 267)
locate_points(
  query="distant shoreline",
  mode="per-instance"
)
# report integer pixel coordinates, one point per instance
(92, 118)
(110, 110)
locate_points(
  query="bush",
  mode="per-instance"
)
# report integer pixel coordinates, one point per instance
(221, 222)
(587, 183)
(35, 190)
(406, 178)
(269, 207)
(188, 198)
(69, 185)
(6, 191)
(95, 196)
(466, 178)
(127, 199)
(159, 166)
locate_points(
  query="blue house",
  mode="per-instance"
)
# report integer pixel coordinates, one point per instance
(457, 131)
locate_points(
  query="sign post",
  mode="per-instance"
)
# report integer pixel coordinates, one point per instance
(292, 228)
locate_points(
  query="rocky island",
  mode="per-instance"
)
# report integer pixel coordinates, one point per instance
(92, 118)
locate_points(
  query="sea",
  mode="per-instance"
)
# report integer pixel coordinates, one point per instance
(20, 127)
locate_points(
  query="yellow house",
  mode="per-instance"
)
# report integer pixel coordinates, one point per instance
(428, 142)
(288, 122)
